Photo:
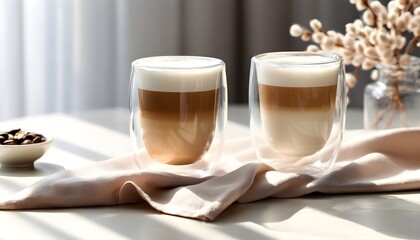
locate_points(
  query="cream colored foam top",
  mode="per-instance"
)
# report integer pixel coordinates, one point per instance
(298, 71)
(178, 74)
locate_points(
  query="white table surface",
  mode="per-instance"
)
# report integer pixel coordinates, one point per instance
(98, 135)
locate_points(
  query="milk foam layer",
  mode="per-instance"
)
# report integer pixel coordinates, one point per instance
(177, 74)
(296, 71)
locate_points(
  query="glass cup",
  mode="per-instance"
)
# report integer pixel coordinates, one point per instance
(297, 105)
(178, 109)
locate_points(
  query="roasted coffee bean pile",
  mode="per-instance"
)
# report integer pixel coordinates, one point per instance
(20, 137)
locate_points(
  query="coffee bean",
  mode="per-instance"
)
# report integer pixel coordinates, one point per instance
(31, 136)
(14, 131)
(27, 141)
(19, 136)
(9, 142)
(37, 140)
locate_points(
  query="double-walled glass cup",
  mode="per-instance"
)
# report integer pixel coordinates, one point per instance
(178, 110)
(297, 105)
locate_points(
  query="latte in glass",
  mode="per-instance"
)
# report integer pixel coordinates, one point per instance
(178, 111)
(297, 106)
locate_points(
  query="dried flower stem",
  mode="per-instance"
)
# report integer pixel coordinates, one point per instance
(375, 17)
(395, 106)
(356, 71)
(412, 44)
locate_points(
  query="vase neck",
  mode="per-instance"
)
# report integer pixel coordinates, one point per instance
(391, 74)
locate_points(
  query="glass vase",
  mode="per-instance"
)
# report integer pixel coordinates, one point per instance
(393, 100)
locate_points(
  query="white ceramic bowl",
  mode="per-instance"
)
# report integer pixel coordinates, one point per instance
(22, 155)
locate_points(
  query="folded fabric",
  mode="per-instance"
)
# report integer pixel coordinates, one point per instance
(369, 161)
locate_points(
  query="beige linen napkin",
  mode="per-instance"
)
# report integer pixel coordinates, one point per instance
(369, 161)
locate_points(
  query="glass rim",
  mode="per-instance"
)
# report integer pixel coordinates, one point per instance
(168, 62)
(272, 58)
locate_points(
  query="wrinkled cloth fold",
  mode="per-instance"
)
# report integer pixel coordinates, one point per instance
(368, 161)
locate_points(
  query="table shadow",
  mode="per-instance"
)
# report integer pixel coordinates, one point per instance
(388, 215)
(39, 169)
